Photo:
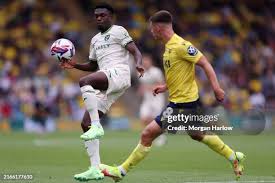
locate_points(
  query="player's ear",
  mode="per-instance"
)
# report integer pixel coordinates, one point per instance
(112, 17)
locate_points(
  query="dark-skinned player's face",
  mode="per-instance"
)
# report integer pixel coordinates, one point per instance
(103, 19)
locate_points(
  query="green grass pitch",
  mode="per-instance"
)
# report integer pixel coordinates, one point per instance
(55, 158)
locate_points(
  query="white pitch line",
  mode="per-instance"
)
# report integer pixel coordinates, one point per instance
(39, 142)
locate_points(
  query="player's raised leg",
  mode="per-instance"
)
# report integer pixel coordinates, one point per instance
(88, 85)
(217, 145)
(152, 131)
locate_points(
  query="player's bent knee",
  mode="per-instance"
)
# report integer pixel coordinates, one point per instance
(146, 133)
(151, 132)
(146, 137)
(84, 81)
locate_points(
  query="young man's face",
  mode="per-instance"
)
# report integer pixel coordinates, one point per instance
(103, 19)
(155, 30)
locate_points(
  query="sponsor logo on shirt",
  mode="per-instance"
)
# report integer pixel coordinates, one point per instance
(103, 46)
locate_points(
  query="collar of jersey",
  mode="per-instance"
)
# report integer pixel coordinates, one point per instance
(106, 30)
(171, 39)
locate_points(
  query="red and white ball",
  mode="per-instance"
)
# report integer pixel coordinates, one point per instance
(63, 48)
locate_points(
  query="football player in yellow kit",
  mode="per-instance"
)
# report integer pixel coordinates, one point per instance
(179, 60)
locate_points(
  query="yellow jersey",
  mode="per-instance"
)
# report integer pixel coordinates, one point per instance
(179, 61)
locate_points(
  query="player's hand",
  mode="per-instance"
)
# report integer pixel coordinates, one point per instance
(67, 64)
(219, 94)
(159, 89)
(140, 70)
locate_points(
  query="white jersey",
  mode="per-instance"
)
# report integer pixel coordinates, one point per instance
(151, 77)
(108, 48)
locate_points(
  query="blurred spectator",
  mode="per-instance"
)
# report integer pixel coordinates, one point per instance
(40, 121)
(151, 105)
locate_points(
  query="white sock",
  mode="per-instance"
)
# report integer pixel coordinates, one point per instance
(90, 101)
(96, 122)
(232, 157)
(92, 147)
(123, 172)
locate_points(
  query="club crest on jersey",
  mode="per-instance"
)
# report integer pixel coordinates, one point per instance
(192, 51)
(107, 37)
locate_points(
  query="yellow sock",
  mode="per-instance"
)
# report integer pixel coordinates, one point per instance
(139, 153)
(217, 145)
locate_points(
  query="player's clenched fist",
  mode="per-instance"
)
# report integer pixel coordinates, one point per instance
(159, 89)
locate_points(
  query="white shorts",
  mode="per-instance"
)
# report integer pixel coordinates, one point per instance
(151, 108)
(119, 79)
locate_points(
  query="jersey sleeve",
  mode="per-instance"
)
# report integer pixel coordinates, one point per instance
(92, 55)
(186, 51)
(122, 36)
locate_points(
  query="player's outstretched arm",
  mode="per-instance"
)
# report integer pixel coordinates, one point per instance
(132, 48)
(88, 66)
(70, 64)
(211, 75)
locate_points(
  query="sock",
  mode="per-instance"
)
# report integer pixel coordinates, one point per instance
(92, 147)
(217, 145)
(139, 153)
(90, 101)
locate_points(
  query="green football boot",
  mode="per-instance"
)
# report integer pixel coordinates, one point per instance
(91, 174)
(95, 132)
(111, 171)
(238, 164)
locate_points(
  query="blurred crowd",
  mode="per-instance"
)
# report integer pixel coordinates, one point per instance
(236, 37)
(32, 86)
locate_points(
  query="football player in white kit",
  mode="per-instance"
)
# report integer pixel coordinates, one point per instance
(151, 105)
(111, 50)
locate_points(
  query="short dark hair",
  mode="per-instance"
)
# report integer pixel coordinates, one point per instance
(106, 6)
(161, 16)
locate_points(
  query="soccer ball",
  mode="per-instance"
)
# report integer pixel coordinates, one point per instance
(63, 48)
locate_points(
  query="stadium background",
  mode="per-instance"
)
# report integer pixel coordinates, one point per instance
(236, 36)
